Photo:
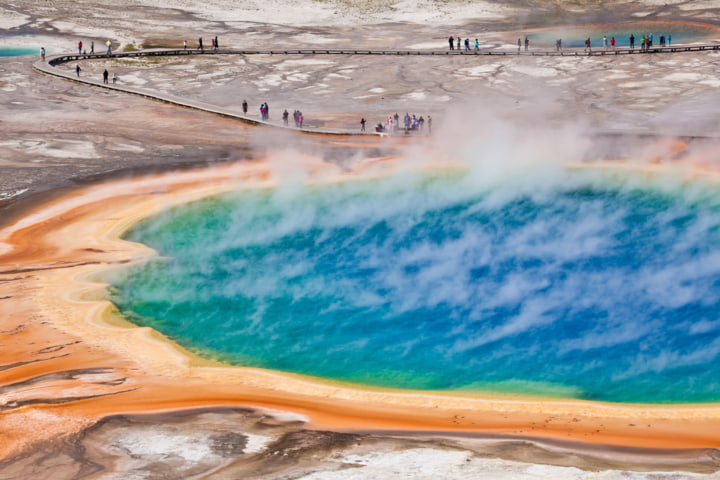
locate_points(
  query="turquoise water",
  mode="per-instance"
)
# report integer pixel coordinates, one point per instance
(582, 284)
(19, 51)
(574, 36)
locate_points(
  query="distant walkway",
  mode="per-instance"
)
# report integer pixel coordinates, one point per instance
(53, 61)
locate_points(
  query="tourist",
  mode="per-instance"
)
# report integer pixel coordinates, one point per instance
(451, 41)
(477, 46)
(109, 47)
(467, 44)
(200, 46)
(527, 43)
(669, 40)
(300, 118)
(642, 43)
(612, 43)
(421, 122)
(77, 70)
(105, 76)
(662, 40)
(429, 124)
(362, 124)
(184, 44)
(217, 45)
(79, 47)
(650, 40)
(605, 44)
(588, 46)
(389, 123)
(519, 45)
(285, 116)
(115, 78)
(558, 42)
(406, 121)
(244, 107)
(632, 41)
(42, 53)
(459, 43)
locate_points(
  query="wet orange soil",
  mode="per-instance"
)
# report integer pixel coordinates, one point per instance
(67, 360)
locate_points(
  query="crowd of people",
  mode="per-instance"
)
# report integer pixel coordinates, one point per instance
(466, 44)
(646, 41)
(410, 123)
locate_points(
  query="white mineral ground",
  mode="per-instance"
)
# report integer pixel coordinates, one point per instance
(84, 396)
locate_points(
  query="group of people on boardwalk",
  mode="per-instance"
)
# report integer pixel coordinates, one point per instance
(527, 44)
(264, 112)
(392, 124)
(82, 51)
(646, 41)
(297, 117)
(466, 44)
(213, 43)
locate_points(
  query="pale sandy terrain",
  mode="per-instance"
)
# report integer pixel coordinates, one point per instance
(83, 395)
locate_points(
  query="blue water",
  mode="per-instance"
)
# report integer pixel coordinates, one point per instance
(19, 51)
(584, 285)
(575, 36)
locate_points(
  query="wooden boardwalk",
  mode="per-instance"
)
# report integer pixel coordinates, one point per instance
(53, 61)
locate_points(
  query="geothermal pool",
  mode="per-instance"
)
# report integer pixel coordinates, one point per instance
(579, 284)
(574, 36)
(18, 51)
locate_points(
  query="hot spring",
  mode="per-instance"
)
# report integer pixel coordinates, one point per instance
(582, 284)
(18, 51)
(575, 35)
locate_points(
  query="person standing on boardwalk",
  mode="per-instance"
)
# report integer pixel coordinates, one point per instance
(612, 43)
(362, 124)
(477, 46)
(80, 47)
(77, 70)
(429, 124)
(184, 44)
(632, 42)
(669, 39)
(605, 45)
(527, 44)
(105, 76)
(109, 47)
(217, 45)
(200, 47)
(285, 117)
(458, 43)
(115, 78)
(244, 107)
(42, 53)
(519, 45)
(467, 44)
(451, 41)
(588, 48)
